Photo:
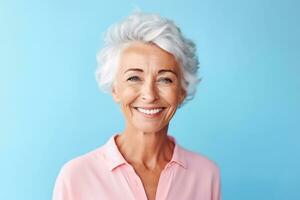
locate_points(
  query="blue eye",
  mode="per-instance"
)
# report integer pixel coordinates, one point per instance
(166, 80)
(133, 78)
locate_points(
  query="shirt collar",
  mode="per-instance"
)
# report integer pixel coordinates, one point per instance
(178, 154)
(115, 158)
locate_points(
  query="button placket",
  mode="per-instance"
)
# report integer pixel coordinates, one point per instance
(164, 183)
(139, 188)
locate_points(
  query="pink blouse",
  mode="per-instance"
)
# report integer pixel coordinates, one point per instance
(105, 174)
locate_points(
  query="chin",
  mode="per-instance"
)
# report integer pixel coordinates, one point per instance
(150, 128)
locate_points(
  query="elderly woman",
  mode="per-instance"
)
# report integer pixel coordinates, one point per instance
(150, 68)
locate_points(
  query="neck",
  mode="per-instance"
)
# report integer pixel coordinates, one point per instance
(148, 150)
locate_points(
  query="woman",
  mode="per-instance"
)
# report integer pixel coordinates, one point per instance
(150, 70)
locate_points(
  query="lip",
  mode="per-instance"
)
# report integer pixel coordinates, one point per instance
(150, 108)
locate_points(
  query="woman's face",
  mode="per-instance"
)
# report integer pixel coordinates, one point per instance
(148, 87)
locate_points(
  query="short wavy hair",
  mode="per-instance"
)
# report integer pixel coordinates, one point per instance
(147, 28)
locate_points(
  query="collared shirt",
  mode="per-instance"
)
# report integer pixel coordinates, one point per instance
(105, 174)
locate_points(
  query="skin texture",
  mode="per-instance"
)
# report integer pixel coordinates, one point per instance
(148, 77)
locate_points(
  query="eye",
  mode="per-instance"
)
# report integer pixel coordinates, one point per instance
(133, 78)
(165, 80)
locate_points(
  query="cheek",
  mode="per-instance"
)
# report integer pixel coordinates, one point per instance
(170, 95)
(129, 94)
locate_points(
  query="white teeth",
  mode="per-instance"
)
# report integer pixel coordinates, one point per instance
(150, 112)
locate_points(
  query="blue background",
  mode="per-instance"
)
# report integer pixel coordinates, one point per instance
(245, 116)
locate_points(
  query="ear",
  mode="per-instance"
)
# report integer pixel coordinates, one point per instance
(115, 94)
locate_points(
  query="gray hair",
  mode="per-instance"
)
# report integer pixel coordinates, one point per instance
(147, 28)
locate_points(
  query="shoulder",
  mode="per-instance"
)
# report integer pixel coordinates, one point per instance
(199, 174)
(83, 163)
(200, 163)
(78, 175)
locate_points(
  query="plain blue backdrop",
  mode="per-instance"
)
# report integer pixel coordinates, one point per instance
(245, 116)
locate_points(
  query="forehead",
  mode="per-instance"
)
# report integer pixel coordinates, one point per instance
(146, 56)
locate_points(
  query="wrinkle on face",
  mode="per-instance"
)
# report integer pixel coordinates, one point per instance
(143, 80)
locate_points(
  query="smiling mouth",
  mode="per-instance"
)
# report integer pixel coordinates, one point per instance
(150, 111)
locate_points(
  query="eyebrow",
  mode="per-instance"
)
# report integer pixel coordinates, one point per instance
(159, 72)
(166, 70)
(133, 69)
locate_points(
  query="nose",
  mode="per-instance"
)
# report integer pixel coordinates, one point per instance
(149, 91)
